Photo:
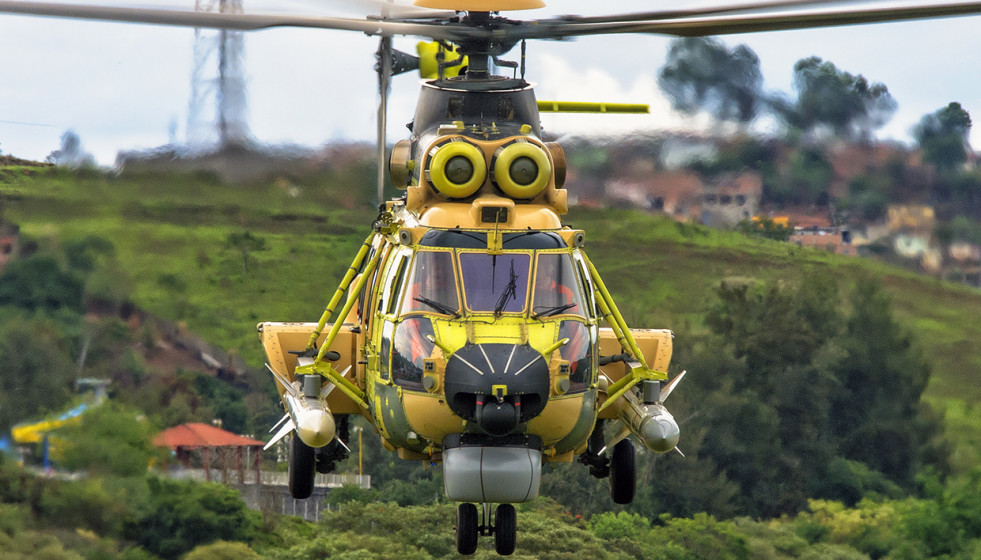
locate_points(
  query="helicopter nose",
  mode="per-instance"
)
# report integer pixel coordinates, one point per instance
(497, 386)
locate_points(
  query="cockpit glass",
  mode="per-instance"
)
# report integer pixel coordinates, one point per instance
(412, 345)
(556, 289)
(432, 284)
(495, 283)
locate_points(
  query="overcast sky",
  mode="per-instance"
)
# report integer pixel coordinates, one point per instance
(124, 86)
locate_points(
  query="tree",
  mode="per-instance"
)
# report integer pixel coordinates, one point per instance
(819, 395)
(701, 74)
(835, 100)
(38, 282)
(71, 154)
(943, 137)
(110, 440)
(35, 371)
(880, 419)
(246, 243)
(181, 515)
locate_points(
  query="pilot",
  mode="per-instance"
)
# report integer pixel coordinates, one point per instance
(550, 290)
(432, 278)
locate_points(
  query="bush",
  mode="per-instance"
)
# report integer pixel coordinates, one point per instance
(222, 550)
(110, 440)
(180, 516)
(621, 525)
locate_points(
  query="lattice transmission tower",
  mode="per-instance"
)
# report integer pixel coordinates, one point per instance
(217, 112)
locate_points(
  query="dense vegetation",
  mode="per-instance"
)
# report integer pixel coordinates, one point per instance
(803, 404)
(146, 519)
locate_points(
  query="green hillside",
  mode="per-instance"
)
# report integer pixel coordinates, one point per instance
(220, 259)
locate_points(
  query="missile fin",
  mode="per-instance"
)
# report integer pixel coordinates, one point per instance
(623, 433)
(284, 382)
(667, 389)
(287, 428)
(280, 423)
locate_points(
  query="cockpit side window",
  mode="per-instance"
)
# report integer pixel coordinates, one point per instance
(393, 283)
(495, 283)
(556, 288)
(579, 353)
(411, 346)
(431, 285)
(587, 286)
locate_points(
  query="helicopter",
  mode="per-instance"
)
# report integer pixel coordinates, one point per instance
(471, 328)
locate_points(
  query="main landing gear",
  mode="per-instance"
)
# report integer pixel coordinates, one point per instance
(620, 468)
(468, 528)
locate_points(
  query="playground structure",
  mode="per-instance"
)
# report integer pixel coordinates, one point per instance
(27, 436)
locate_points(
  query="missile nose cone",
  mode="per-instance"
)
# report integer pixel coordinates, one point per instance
(315, 427)
(660, 433)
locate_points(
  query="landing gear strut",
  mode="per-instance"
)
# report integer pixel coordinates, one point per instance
(621, 467)
(468, 528)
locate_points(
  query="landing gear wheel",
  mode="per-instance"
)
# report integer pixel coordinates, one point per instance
(623, 476)
(466, 529)
(505, 529)
(302, 468)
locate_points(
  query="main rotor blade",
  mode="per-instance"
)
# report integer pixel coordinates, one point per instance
(361, 7)
(506, 31)
(695, 12)
(236, 22)
(384, 83)
(734, 24)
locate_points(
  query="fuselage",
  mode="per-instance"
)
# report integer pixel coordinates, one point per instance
(471, 330)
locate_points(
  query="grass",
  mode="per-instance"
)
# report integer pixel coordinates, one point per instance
(173, 239)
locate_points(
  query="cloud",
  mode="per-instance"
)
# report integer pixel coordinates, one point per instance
(561, 81)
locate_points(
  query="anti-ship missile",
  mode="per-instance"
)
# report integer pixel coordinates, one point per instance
(306, 411)
(648, 419)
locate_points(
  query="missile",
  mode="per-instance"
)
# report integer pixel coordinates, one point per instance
(306, 412)
(650, 421)
(311, 419)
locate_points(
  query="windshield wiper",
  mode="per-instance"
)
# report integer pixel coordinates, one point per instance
(554, 310)
(510, 292)
(441, 307)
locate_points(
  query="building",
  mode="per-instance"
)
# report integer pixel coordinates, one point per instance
(832, 239)
(723, 202)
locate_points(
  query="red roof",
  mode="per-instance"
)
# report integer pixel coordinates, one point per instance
(201, 435)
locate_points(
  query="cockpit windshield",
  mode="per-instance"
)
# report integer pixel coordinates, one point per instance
(432, 284)
(556, 290)
(495, 283)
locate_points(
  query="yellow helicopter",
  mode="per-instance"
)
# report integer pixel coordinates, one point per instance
(471, 329)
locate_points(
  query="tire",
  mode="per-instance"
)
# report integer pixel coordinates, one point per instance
(302, 468)
(466, 529)
(505, 529)
(623, 472)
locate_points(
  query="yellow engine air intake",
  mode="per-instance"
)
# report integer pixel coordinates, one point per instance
(457, 169)
(521, 169)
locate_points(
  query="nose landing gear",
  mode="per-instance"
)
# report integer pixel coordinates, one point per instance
(468, 528)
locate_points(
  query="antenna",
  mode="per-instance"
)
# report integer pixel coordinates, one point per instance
(217, 110)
